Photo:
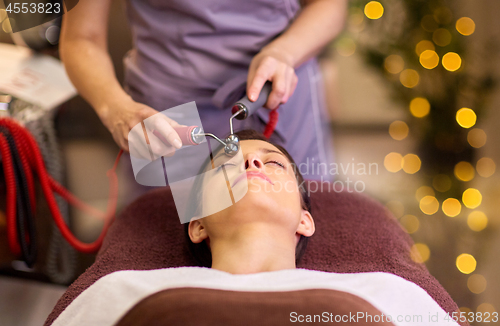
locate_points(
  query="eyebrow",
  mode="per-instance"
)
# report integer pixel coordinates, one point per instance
(262, 149)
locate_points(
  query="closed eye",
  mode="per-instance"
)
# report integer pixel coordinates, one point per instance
(277, 163)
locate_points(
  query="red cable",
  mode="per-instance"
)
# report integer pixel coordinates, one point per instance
(271, 125)
(32, 160)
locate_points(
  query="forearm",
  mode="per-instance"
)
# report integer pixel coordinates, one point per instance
(91, 71)
(318, 23)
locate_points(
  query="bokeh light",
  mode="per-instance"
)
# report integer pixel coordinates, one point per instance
(396, 207)
(423, 46)
(429, 205)
(419, 107)
(393, 162)
(476, 283)
(429, 59)
(477, 221)
(441, 37)
(441, 182)
(486, 307)
(464, 171)
(8, 24)
(411, 163)
(374, 10)
(451, 61)
(466, 118)
(451, 207)
(466, 263)
(424, 191)
(409, 78)
(398, 130)
(443, 15)
(428, 23)
(465, 26)
(476, 137)
(420, 252)
(485, 167)
(472, 198)
(410, 223)
(3, 15)
(394, 64)
(346, 46)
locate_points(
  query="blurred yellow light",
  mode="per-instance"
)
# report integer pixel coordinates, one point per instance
(466, 118)
(476, 137)
(420, 252)
(409, 78)
(346, 47)
(465, 310)
(477, 221)
(466, 263)
(476, 283)
(374, 10)
(429, 59)
(7, 25)
(451, 61)
(443, 15)
(394, 64)
(464, 171)
(396, 207)
(419, 107)
(424, 191)
(423, 46)
(429, 205)
(441, 182)
(428, 23)
(486, 307)
(410, 223)
(485, 167)
(451, 207)
(393, 162)
(465, 26)
(441, 37)
(472, 198)
(3, 14)
(356, 16)
(411, 163)
(398, 130)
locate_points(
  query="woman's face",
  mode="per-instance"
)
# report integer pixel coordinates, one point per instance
(264, 179)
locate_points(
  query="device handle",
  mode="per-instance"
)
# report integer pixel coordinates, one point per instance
(249, 106)
(185, 134)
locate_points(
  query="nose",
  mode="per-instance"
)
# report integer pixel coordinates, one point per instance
(253, 161)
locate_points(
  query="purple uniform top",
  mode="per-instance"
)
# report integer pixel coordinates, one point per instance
(200, 50)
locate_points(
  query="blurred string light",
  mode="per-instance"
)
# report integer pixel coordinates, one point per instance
(466, 263)
(476, 138)
(396, 207)
(451, 61)
(8, 24)
(410, 223)
(476, 283)
(411, 163)
(429, 59)
(472, 198)
(441, 37)
(466, 118)
(464, 171)
(409, 78)
(443, 15)
(485, 167)
(486, 307)
(393, 162)
(465, 26)
(398, 130)
(3, 15)
(477, 221)
(423, 46)
(394, 64)
(429, 205)
(441, 182)
(374, 10)
(420, 107)
(451, 207)
(346, 46)
(420, 252)
(424, 191)
(428, 23)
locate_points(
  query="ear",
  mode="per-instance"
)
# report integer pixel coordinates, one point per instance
(197, 232)
(306, 225)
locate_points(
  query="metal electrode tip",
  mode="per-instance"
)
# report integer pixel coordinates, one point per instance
(232, 145)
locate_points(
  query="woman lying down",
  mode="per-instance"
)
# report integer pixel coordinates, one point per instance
(252, 248)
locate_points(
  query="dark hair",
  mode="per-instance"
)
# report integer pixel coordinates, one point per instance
(201, 251)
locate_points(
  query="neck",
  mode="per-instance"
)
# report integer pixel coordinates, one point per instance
(253, 250)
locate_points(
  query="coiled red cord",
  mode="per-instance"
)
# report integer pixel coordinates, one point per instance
(271, 124)
(32, 161)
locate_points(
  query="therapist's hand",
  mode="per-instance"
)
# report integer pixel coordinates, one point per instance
(121, 115)
(273, 65)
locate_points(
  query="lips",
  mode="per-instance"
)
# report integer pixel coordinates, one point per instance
(252, 174)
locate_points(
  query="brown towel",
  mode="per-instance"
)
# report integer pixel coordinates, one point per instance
(353, 234)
